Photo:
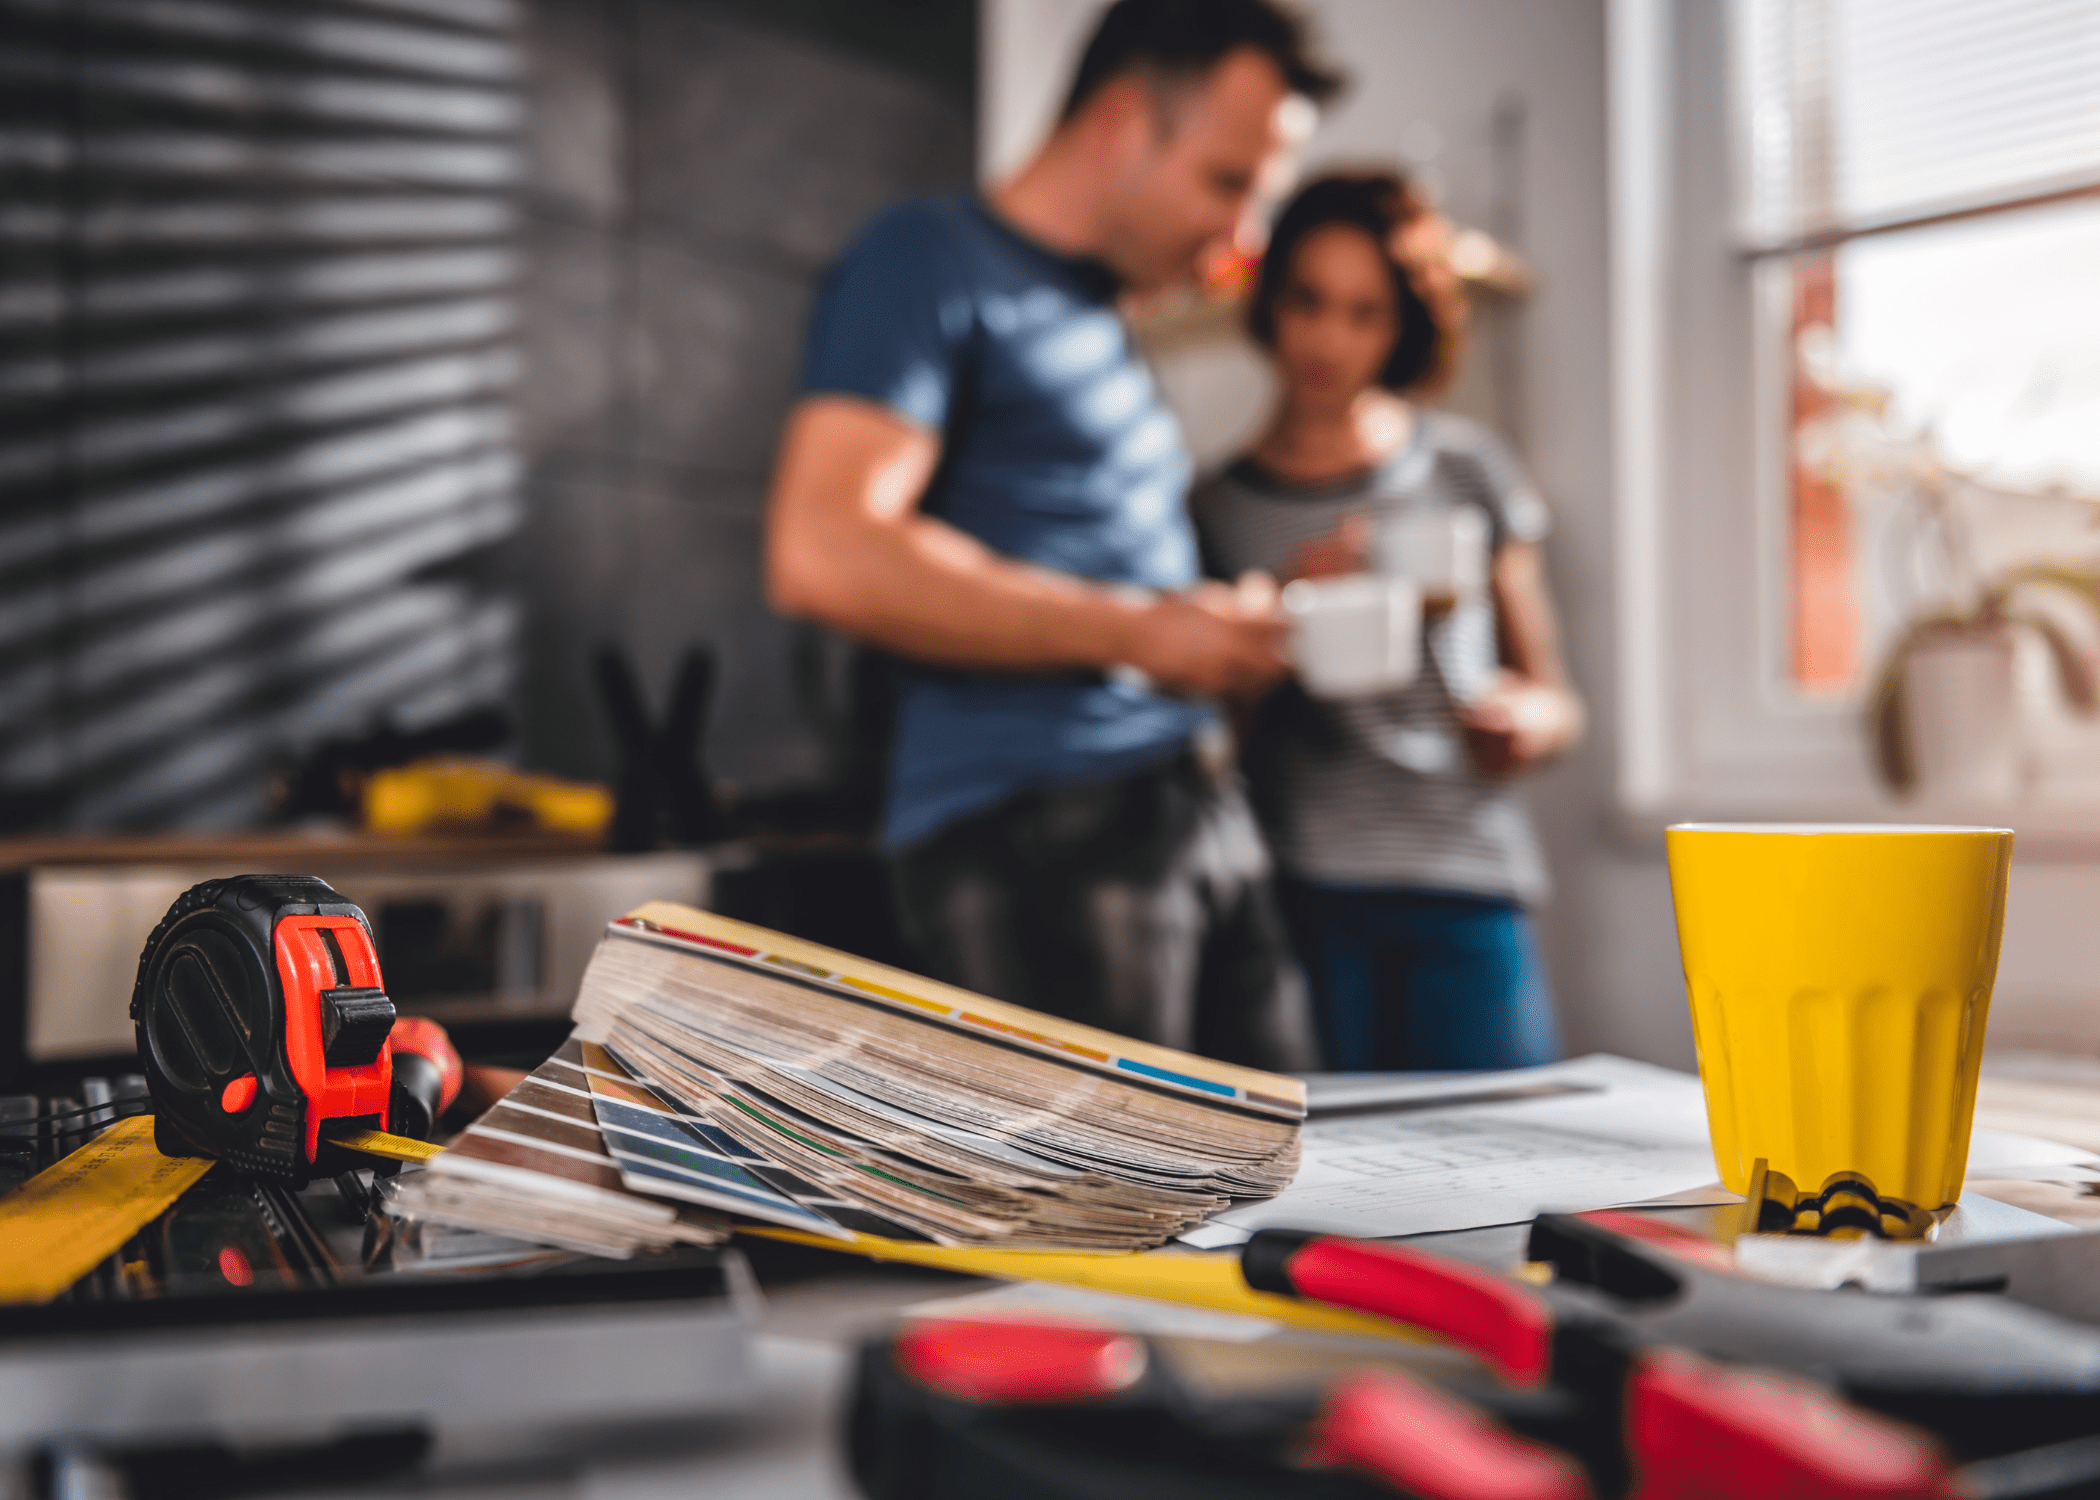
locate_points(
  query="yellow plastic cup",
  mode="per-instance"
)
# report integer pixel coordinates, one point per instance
(1840, 978)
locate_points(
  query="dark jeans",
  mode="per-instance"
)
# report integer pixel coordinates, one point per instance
(1421, 979)
(1141, 905)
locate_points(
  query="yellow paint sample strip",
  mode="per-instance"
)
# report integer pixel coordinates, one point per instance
(1193, 1279)
(380, 1143)
(63, 1222)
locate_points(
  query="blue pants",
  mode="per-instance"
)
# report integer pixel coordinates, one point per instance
(1421, 979)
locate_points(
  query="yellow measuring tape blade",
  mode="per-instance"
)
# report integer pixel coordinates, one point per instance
(70, 1217)
(1194, 1279)
(379, 1143)
(63, 1222)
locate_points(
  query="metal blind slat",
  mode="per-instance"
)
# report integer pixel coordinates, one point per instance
(257, 297)
(1866, 112)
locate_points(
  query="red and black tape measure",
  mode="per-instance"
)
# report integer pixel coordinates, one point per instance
(262, 1018)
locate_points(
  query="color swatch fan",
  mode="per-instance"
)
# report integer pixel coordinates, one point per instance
(536, 1167)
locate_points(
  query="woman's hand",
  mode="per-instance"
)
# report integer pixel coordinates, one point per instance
(1518, 724)
(1343, 550)
(1530, 714)
(1347, 549)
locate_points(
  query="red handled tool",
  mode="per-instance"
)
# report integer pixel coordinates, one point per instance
(954, 1408)
(1015, 1363)
(427, 1076)
(1634, 1304)
(1600, 1393)
(1502, 1320)
(1423, 1442)
(1696, 1431)
(968, 1407)
(264, 1025)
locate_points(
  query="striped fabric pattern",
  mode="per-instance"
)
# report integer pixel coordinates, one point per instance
(1377, 791)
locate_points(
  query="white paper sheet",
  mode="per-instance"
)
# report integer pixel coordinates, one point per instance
(1602, 1131)
(2002, 1154)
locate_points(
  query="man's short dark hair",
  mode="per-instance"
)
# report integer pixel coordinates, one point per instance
(1180, 41)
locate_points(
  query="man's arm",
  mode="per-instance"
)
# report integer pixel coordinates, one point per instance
(847, 544)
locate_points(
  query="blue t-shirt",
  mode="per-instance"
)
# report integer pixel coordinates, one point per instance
(1067, 459)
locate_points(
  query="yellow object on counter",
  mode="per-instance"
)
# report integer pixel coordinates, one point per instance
(1840, 980)
(455, 793)
(1191, 1278)
(63, 1222)
(382, 1144)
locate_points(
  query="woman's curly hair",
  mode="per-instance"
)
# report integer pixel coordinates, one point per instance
(1415, 240)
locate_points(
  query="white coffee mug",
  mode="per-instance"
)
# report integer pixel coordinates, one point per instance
(1443, 551)
(1354, 635)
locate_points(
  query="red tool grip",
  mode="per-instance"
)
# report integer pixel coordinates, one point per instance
(1501, 1320)
(427, 1075)
(1004, 1363)
(1673, 1239)
(1698, 1432)
(1428, 1444)
(419, 1036)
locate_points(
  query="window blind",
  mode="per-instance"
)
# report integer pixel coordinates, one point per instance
(255, 342)
(1867, 115)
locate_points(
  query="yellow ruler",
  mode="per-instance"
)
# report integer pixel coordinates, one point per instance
(1193, 1278)
(63, 1222)
(379, 1143)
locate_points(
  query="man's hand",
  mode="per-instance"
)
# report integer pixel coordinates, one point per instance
(847, 544)
(1217, 640)
(1518, 724)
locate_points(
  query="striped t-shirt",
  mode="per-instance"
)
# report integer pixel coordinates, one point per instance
(1378, 791)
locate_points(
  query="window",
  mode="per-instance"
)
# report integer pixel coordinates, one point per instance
(1920, 173)
(1859, 379)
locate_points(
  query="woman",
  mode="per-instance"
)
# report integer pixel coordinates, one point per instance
(1407, 857)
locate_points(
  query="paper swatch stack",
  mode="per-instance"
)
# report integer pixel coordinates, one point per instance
(734, 1073)
(535, 1167)
(781, 1080)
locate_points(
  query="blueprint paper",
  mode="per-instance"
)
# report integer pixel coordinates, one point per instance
(1597, 1132)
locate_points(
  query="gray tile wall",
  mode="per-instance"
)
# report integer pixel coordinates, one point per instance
(694, 169)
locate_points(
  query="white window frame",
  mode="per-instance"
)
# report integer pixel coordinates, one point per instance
(1706, 726)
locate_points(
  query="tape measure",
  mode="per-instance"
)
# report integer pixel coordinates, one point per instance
(269, 1043)
(265, 1031)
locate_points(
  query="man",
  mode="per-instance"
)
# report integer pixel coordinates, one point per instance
(982, 480)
